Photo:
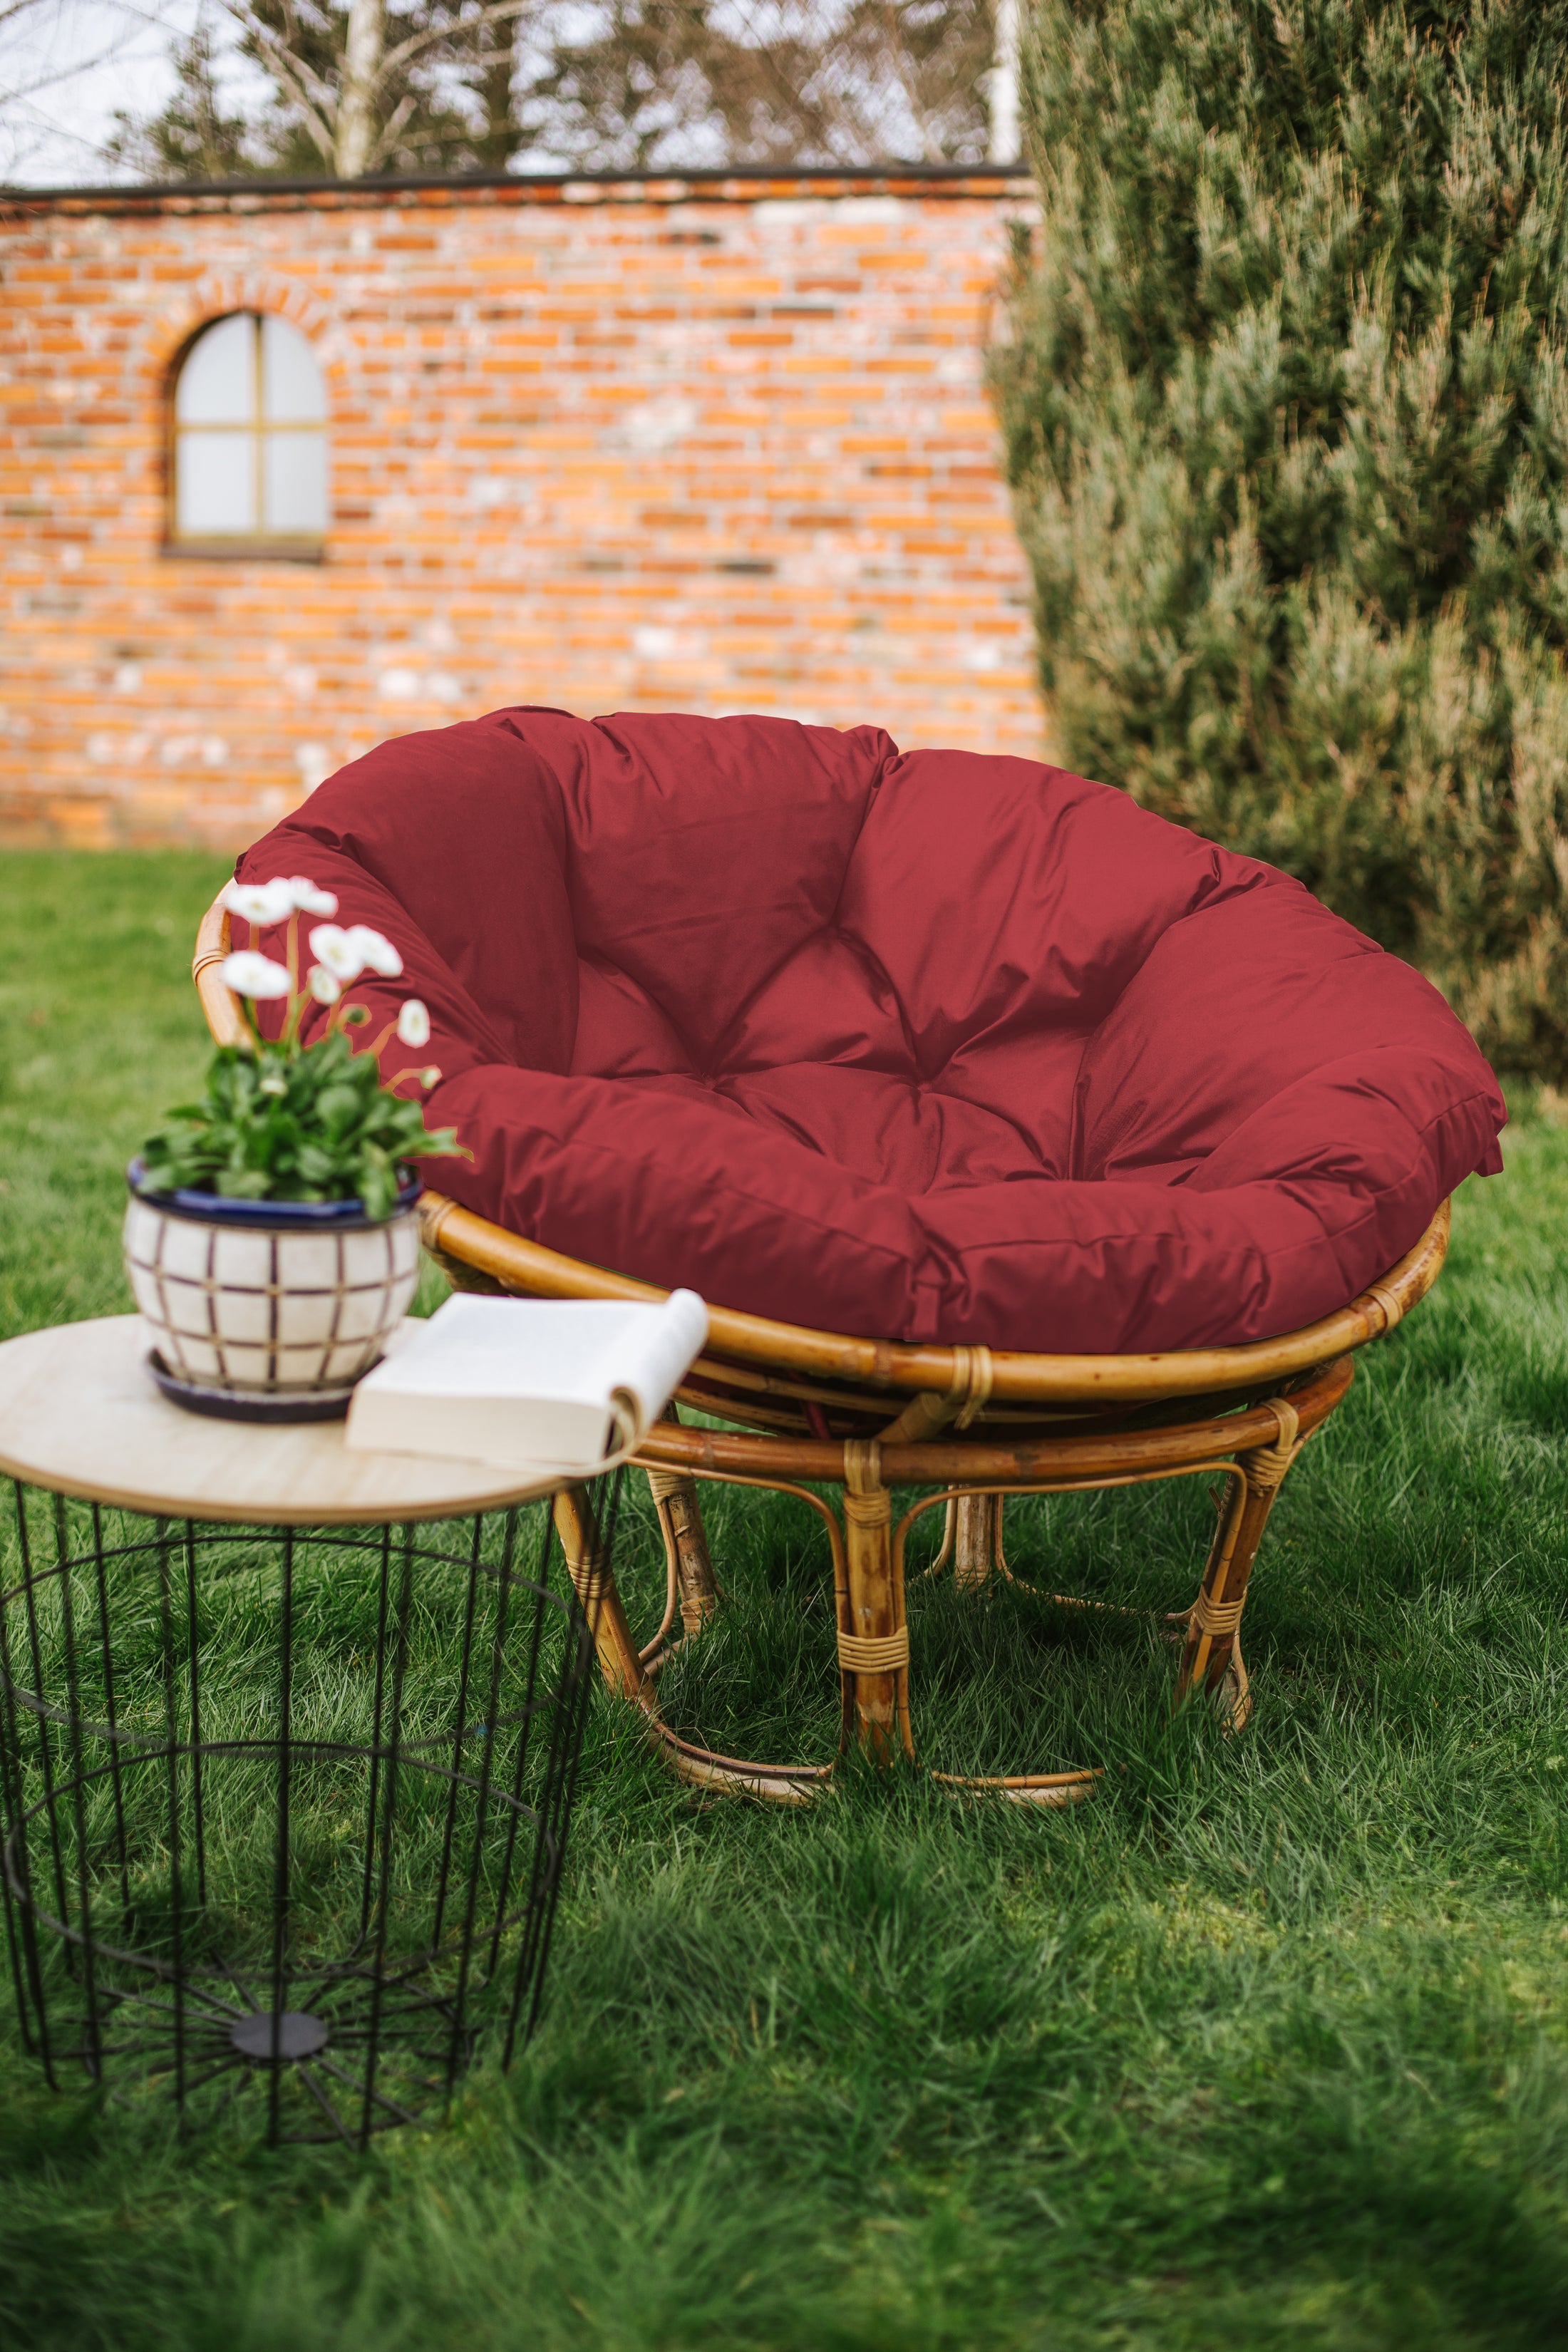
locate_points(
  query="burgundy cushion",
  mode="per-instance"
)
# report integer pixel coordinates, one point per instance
(916, 1046)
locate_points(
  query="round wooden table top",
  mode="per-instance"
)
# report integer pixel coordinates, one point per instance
(79, 1413)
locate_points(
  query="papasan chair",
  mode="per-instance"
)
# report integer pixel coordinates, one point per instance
(1020, 1141)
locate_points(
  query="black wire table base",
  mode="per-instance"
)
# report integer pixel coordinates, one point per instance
(285, 1810)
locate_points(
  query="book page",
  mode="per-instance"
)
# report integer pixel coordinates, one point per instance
(644, 1363)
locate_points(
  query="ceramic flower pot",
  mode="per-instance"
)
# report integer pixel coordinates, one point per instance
(267, 1310)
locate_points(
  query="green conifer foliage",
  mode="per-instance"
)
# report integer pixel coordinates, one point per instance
(1285, 397)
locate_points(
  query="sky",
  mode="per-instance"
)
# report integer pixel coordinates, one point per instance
(65, 66)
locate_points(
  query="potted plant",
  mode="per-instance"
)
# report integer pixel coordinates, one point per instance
(272, 1238)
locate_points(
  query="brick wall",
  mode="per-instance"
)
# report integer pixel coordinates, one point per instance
(702, 446)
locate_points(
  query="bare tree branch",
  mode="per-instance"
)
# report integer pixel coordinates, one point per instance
(318, 122)
(396, 123)
(501, 12)
(310, 89)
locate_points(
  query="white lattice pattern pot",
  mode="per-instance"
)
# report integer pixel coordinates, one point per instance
(269, 1298)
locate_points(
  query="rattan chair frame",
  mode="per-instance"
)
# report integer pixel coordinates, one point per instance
(805, 1409)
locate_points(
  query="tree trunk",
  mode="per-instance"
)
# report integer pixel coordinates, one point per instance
(356, 125)
(1006, 137)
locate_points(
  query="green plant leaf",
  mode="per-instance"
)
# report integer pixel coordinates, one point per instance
(323, 1127)
(244, 1183)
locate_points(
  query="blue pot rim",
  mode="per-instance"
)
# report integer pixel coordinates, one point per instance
(299, 1216)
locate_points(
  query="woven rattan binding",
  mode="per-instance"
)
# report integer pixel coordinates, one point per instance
(874, 1653)
(1215, 1618)
(1267, 1466)
(1391, 1310)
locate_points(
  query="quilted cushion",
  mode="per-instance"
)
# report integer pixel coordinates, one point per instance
(911, 1045)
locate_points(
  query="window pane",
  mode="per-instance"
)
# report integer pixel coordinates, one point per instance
(217, 476)
(296, 483)
(291, 390)
(217, 382)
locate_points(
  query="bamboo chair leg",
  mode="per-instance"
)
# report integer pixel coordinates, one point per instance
(976, 1529)
(1211, 1655)
(873, 1645)
(684, 1543)
(693, 1564)
(596, 1586)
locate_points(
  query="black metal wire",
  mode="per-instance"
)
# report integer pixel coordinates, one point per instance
(176, 1884)
(280, 1881)
(491, 1732)
(17, 1862)
(559, 1784)
(374, 1774)
(341, 2031)
(459, 1729)
(195, 1719)
(44, 1758)
(107, 1659)
(79, 1794)
(579, 1690)
(542, 1579)
(399, 1660)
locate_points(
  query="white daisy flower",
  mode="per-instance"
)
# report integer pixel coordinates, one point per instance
(249, 974)
(259, 902)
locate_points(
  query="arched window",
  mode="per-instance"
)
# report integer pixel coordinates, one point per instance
(249, 458)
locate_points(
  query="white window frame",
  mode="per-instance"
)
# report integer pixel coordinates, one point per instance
(300, 547)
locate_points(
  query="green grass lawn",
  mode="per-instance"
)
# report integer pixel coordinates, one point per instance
(1265, 2045)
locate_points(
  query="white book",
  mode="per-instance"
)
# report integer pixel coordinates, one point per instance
(528, 1383)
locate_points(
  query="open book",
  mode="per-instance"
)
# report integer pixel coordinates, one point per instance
(527, 1382)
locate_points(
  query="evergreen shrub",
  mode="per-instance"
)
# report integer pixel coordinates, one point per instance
(1286, 398)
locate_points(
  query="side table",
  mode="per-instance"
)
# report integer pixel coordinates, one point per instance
(289, 1737)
